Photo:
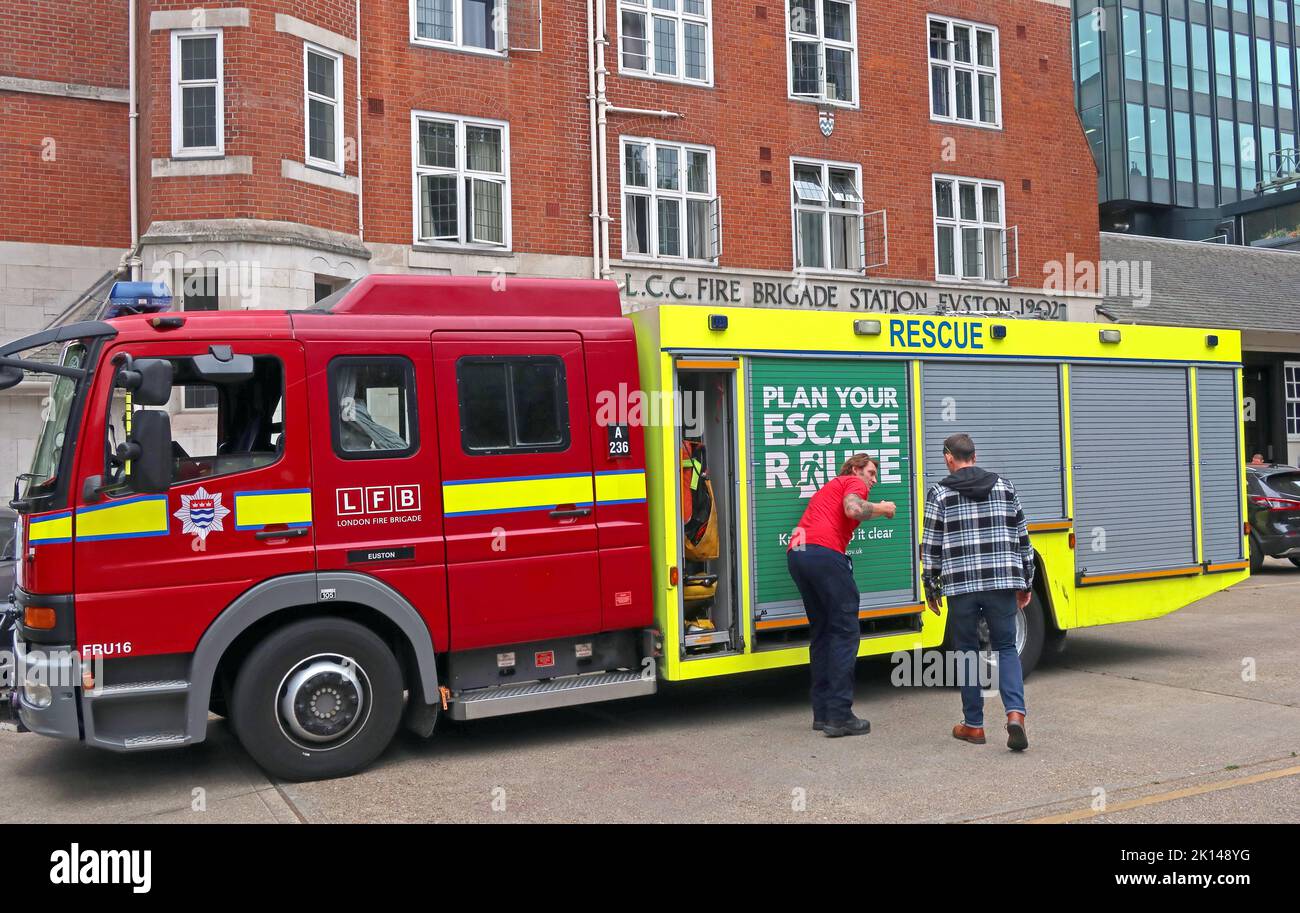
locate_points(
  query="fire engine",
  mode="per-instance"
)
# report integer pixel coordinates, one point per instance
(443, 496)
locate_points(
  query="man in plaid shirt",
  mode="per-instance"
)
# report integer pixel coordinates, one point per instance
(975, 550)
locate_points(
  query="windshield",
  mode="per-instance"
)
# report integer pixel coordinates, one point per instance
(44, 475)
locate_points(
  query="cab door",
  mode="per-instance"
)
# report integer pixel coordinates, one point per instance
(517, 487)
(154, 570)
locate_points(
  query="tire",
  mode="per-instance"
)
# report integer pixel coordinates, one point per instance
(340, 663)
(1294, 559)
(1036, 623)
(1256, 556)
(1054, 642)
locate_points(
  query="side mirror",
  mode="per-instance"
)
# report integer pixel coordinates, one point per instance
(10, 376)
(148, 379)
(149, 450)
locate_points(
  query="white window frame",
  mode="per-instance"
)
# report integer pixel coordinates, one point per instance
(957, 223)
(648, 9)
(822, 42)
(177, 91)
(336, 165)
(681, 194)
(461, 172)
(973, 67)
(457, 43)
(1290, 367)
(796, 207)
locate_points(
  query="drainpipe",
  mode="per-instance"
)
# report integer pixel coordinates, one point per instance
(600, 109)
(361, 184)
(131, 257)
(602, 145)
(596, 151)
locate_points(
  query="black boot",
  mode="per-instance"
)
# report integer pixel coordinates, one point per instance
(851, 726)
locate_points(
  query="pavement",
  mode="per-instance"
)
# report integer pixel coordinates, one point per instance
(1194, 717)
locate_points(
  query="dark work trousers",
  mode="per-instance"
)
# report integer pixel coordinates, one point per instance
(830, 597)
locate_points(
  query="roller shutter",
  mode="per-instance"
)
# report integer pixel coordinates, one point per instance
(1218, 422)
(1131, 451)
(1013, 412)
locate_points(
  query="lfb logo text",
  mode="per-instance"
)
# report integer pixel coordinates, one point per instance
(378, 499)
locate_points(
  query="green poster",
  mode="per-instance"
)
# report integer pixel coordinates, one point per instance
(808, 416)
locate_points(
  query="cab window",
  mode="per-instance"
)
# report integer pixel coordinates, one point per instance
(512, 404)
(373, 407)
(240, 428)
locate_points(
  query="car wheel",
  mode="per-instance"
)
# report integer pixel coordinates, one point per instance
(317, 699)
(1294, 559)
(1256, 556)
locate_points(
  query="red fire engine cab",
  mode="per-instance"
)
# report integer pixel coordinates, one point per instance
(324, 524)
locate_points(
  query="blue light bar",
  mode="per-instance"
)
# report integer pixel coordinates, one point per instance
(138, 298)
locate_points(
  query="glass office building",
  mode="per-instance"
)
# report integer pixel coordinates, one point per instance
(1190, 105)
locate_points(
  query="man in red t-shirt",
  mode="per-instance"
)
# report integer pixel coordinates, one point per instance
(824, 575)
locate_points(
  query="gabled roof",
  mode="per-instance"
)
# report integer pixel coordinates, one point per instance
(1194, 283)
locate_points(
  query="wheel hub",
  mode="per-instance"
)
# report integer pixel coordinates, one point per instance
(323, 698)
(1022, 632)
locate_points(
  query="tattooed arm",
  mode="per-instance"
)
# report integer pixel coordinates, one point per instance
(858, 508)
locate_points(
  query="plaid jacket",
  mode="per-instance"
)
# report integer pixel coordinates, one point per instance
(970, 546)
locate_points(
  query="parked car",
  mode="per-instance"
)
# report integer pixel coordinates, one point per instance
(1273, 495)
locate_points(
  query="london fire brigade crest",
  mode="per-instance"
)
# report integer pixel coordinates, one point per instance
(201, 513)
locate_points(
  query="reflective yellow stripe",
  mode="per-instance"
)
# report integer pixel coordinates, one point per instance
(500, 496)
(258, 509)
(49, 530)
(131, 518)
(616, 487)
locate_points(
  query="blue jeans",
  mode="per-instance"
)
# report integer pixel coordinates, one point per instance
(999, 610)
(830, 597)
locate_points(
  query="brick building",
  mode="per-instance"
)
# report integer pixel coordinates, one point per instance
(871, 154)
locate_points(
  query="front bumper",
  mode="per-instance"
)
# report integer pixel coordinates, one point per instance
(57, 669)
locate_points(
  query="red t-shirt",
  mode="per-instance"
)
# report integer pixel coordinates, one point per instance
(824, 522)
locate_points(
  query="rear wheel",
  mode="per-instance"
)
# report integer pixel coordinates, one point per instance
(319, 698)
(1031, 618)
(1030, 634)
(1256, 556)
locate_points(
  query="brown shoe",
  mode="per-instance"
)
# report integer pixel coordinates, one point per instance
(972, 734)
(1016, 738)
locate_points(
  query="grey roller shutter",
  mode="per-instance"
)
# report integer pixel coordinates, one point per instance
(1218, 421)
(1013, 412)
(1132, 455)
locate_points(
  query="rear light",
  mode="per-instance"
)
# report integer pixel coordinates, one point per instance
(1073, 541)
(1275, 503)
(673, 576)
(39, 618)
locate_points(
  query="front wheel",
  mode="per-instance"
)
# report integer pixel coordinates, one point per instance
(317, 699)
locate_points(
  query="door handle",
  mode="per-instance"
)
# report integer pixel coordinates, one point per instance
(571, 513)
(283, 533)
